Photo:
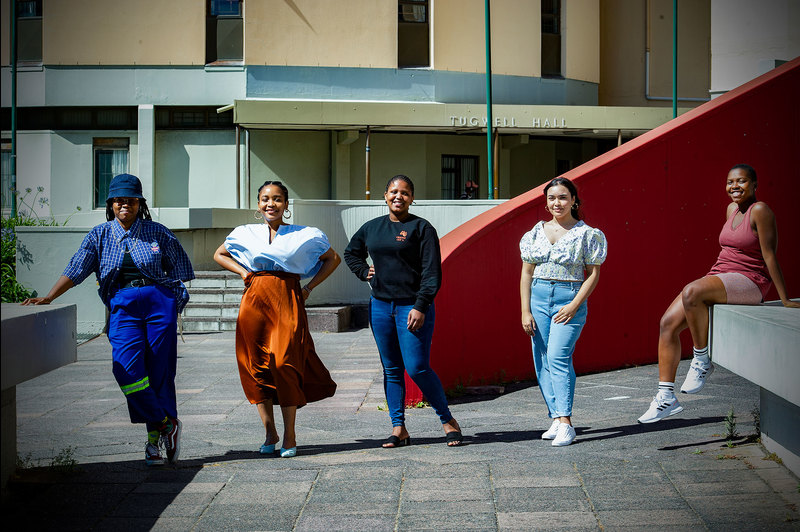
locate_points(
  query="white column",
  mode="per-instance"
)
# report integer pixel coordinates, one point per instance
(147, 152)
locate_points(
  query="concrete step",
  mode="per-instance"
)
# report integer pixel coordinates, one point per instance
(214, 306)
(206, 318)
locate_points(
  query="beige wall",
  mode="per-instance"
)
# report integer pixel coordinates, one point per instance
(140, 32)
(581, 52)
(460, 45)
(346, 33)
(626, 28)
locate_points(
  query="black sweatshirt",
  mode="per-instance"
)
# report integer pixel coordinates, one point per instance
(406, 256)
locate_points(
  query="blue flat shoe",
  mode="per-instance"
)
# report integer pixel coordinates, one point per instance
(288, 453)
(267, 449)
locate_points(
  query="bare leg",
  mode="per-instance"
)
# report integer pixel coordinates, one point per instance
(669, 343)
(565, 419)
(697, 296)
(268, 419)
(289, 414)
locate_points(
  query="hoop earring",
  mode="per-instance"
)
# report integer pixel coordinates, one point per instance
(257, 215)
(287, 214)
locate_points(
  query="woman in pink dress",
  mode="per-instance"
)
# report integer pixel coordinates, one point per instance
(745, 270)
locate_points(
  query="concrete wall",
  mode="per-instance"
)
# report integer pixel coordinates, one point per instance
(628, 28)
(195, 169)
(772, 35)
(43, 252)
(300, 159)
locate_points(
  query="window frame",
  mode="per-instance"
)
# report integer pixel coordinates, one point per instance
(107, 144)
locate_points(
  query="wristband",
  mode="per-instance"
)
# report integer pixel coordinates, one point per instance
(306, 287)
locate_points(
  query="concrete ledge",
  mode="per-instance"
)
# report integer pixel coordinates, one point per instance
(36, 340)
(760, 343)
(331, 319)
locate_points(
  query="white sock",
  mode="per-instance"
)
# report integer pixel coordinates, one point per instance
(666, 390)
(701, 354)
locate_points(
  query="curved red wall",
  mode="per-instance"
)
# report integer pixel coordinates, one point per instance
(660, 200)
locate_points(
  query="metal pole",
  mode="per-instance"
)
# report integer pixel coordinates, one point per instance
(366, 152)
(495, 192)
(489, 121)
(13, 5)
(674, 58)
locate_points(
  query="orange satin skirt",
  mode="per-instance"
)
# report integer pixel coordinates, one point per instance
(274, 350)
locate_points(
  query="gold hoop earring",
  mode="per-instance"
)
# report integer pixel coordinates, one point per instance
(257, 215)
(287, 214)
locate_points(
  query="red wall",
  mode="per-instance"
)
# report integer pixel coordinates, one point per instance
(660, 200)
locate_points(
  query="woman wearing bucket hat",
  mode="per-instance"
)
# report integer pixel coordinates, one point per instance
(140, 266)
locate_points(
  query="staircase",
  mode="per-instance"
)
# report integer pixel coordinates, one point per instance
(214, 298)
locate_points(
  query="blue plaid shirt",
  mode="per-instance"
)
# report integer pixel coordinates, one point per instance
(153, 247)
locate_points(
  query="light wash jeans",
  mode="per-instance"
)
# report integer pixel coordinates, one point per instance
(554, 343)
(404, 351)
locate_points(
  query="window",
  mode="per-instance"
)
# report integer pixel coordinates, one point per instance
(29, 31)
(551, 38)
(7, 193)
(110, 159)
(193, 118)
(413, 34)
(457, 172)
(224, 31)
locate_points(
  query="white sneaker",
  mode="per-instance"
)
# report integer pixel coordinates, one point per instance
(550, 433)
(697, 375)
(661, 408)
(564, 436)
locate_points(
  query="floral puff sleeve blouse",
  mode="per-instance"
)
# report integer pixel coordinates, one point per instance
(566, 259)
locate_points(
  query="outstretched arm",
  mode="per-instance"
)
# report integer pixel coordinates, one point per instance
(767, 230)
(63, 284)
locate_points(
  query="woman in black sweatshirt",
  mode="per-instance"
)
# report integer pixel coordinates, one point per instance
(405, 276)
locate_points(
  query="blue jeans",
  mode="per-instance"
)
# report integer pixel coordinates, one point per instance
(142, 330)
(554, 343)
(402, 350)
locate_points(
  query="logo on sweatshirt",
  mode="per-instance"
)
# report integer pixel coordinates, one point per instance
(402, 236)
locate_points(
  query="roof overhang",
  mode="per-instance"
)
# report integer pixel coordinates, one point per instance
(585, 121)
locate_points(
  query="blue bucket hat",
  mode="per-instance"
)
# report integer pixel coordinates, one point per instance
(125, 186)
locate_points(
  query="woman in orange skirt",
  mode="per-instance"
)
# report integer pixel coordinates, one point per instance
(274, 350)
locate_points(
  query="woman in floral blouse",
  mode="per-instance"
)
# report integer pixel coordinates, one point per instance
(553, 294)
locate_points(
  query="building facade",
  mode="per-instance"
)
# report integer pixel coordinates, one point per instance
(206, 100)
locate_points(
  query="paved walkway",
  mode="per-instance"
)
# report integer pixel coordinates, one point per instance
(673, 475)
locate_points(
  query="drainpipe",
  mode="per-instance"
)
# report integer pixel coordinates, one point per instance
(674, 58)
(13, 5)
(489, 121)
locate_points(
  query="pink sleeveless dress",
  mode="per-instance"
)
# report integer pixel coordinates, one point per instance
(741, 253)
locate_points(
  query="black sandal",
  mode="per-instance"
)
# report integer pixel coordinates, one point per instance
(397, 442)
(454, 436)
